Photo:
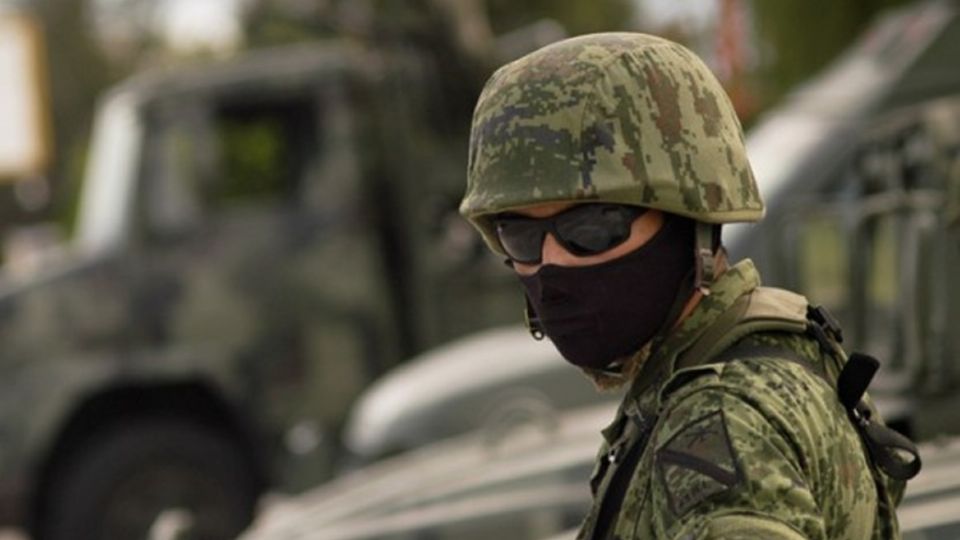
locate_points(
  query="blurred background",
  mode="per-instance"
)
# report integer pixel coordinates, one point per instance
(759, 51)
(224, 221)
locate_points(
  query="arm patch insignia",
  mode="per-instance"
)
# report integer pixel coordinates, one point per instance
(698, 462)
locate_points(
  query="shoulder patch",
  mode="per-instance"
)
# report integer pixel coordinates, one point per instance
(698, 462)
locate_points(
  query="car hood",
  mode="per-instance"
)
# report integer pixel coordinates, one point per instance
(54, 265)
(460, 482)
(532, 483)
(457, 387)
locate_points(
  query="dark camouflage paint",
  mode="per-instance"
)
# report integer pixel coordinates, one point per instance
(619, 117)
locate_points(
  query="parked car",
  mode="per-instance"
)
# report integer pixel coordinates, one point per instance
(500, 377)
(528, 482)
(532, 484)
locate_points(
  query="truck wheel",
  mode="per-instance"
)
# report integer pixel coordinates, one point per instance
(156, 479)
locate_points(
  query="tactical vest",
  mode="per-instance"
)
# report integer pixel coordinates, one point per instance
(892, 457)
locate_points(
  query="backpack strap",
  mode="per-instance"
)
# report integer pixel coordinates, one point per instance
(764, 309)
(887, 447)
(769, 309)
(611, 479)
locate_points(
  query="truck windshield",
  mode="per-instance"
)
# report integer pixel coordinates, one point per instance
(110, 176)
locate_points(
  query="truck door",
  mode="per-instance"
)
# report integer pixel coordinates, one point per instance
(256, 263)
(452, 284)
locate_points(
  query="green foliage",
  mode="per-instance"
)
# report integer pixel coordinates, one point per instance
(78, 73)
(577, 16)
(799, 37)
(68, 194)
(267, 24)
(253, 156)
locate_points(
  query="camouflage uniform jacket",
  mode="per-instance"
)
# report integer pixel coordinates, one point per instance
(750, 447)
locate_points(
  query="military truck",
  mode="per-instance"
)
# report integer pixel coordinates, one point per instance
(255, 241)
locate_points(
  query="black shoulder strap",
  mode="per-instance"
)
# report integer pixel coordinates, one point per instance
(887, 447)
(612, 479)
(895, 454)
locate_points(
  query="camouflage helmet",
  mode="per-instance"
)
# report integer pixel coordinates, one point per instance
(615, 117)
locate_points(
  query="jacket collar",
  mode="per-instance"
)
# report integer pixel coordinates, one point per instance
(642, 399)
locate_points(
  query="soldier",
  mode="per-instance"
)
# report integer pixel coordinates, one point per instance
(602, 167)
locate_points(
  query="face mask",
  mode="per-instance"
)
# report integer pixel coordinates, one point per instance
(601, 313)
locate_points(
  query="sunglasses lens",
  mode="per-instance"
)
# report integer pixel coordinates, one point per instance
(583, 230)
(522, 239)
(593, 229)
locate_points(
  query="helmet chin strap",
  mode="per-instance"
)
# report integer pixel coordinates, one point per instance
(533, 321)
(704, 258)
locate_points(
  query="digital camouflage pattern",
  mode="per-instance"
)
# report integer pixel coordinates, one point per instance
(752, 447)
(618, 117)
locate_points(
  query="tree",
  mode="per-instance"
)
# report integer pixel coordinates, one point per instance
(77, 73)
(797, 38)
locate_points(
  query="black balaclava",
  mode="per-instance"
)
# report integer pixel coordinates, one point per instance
(598, 314)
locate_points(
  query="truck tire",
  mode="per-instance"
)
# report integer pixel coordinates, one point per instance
(151, 479)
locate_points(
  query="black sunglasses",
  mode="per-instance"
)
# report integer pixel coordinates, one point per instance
(585, 229)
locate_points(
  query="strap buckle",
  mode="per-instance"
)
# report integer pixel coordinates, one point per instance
(705, 258)
(855, 378)
(826, 320)
(533, 321)
(893, 453)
